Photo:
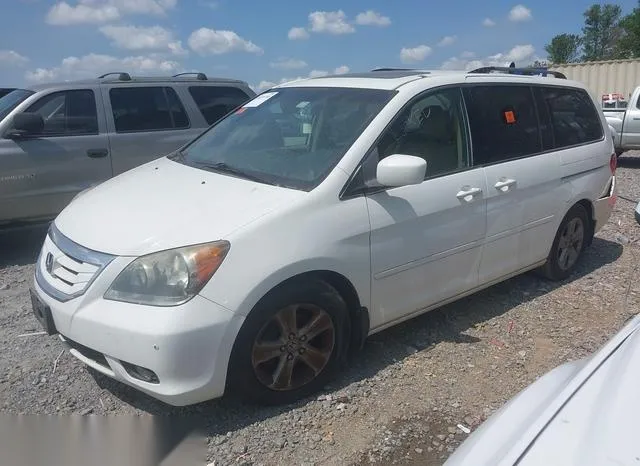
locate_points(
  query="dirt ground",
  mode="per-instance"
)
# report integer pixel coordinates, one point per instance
(402, 398)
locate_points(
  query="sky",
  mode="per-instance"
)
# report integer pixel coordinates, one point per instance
(264, 43)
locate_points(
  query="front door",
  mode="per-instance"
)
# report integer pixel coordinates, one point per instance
(426, 239)
(42, 173)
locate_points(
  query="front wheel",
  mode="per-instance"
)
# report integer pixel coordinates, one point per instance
(289, 345)
(571, 238)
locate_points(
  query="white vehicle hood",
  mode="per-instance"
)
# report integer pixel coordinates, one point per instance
(165, 204)
(580, 414)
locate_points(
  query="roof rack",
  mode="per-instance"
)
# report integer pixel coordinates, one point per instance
(518, 71)
(394, 69)
(122, 76)
(199, 76)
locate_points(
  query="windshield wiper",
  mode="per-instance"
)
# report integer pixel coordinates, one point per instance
(223, 167)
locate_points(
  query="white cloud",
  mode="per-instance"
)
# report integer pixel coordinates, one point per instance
(415, 54)
(344, 69)
(467, 54)
(63, 14)
(207, 41)
(104, 11)
(297, 33)
(330, 22)
(318, 73)
(488, 22)
(520, 13)
(12, 58)
(288, 64)
(143, 38)
(447, 40)
(372, 18)
(92, 65)
(522, 55)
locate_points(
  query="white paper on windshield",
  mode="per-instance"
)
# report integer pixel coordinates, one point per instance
(262, 98)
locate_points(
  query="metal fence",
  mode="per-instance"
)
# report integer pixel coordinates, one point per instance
(604, 77)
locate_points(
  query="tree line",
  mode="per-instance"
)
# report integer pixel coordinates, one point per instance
(606, 35)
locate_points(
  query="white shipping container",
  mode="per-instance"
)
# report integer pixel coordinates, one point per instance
(604, 77)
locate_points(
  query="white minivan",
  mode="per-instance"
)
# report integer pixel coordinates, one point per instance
(254, 259)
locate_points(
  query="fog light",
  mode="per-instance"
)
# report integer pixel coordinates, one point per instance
(140, 373)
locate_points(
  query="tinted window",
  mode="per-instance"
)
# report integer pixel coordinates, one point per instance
(147, 109)
(68, 113)
(503, 123)
(216, 102)
(574, 119)
(291, 137)
(432, 128)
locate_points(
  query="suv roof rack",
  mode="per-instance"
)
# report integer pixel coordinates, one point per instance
(518, 71)
(199, 76)
(122, 76)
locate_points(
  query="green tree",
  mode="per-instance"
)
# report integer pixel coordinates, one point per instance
(564, 48)
(601, 32)
(628, 45)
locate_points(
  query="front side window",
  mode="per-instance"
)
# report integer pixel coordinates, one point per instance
(503, 122)
(147, 109)
(215, 102)
(67, 113)
(574, 118)
(432, 128)
(290, 137)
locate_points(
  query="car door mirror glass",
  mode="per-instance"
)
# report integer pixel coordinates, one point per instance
(26, 124)
(401, 170)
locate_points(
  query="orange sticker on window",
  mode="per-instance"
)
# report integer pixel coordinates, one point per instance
(509, 117)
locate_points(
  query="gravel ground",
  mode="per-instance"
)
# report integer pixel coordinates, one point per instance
(402, 398)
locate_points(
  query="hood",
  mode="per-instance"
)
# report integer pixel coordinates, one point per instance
(165, 204)
(581, 413)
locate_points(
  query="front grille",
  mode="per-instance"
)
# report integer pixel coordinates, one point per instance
(65, 269)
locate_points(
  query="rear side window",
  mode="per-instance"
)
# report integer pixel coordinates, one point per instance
(147, 109)
(574, 118)
(68, 113)
(216, 102)
(503, 122)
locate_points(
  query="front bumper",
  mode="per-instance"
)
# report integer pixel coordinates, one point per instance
(187, 347)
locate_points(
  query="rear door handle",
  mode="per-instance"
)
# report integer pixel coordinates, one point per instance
(97, 153)
(504, 184)
(467, 194)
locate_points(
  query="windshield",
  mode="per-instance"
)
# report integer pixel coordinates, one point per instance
(289, 137)
(12, 100)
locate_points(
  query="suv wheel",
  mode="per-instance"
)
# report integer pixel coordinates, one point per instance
(289, 345)
(572, 237)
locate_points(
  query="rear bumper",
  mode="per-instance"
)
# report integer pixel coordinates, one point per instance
(604, 206)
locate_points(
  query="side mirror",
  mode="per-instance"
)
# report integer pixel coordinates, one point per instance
(401, 170)
(26, 124)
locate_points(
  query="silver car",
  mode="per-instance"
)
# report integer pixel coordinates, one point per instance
(58, 139)
(582, 413)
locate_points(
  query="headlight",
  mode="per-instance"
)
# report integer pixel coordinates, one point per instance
(168, 278)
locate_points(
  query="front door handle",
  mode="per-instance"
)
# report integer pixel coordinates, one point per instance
(97, 153)
(467, 194)
(504, 184)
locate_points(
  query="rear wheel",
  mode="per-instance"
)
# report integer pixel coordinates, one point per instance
(572, 237)
(289, 344)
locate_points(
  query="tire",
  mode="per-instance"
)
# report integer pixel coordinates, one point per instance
(269, 367)
(575, 232)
